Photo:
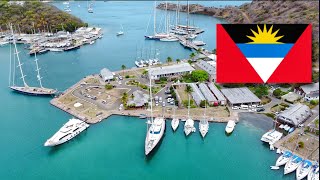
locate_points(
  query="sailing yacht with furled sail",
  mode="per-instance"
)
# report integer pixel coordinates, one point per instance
(155, 127)
(204, 124)
(175, 121)
(25, 89)
(189, 124)
(119, 33)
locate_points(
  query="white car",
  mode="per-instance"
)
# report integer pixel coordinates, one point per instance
(160, 99)
(235, 107)
(157, 104)
(168, 100)
(260, 106)
(163, 104)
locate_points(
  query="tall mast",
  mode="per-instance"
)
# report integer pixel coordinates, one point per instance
(18, 58)
(188, 16)
(189, 106)
(38, 70)
(150, 92)
(10, 74)
(154, 17)
(166, 19)
(177, 9)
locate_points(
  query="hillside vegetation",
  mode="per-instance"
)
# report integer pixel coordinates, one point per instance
(36, 15)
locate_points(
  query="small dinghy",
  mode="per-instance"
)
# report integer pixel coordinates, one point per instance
(274, 167)
(271, 147)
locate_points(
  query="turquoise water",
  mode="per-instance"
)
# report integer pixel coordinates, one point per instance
(114, 149)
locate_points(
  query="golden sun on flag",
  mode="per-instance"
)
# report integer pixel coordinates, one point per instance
(265, 36)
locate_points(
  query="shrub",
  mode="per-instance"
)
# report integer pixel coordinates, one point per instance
(108, 86)
(314, 102)
(127, 76)
(199, 76)
(301, 144)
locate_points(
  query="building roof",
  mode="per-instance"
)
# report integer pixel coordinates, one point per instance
(216, 92)
(207, 67)
(196, 94)
(177, 68)
(106, 74)
(240, 95)
(291, 97)
(295, 114)
(139, 99)
(207, 93)
(308, 88)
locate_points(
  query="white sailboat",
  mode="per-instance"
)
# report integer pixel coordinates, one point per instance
(293, 164)
(156, 129)
(314, 173)
(204, 124)
(284, 158)
(189, 124)
(175, 121)
(25, 89)
(90, 9)
(119, 33)
(303, 170)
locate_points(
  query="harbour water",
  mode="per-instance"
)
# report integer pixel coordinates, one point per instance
(114, 149)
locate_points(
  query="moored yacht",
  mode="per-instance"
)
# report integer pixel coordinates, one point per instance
(203, 127)
(175, 123)
(303, 169)
(169, 39)
(314, 173)
(271, 136)
(284, 158)
(230, 126)
(68, 131)
(189, 127)
(293, 164)
(154, 134)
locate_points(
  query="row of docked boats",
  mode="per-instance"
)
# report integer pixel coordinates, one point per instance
(145, 63)
(303, 168)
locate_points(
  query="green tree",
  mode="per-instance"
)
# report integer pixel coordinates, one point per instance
(123, 67)
(169, 60)
(277, 92)
(199, 76)
(192, 55)
(260, 91)
(314, 102)
(178, 61)
(214, 51)
(188, 89)
(203, 103)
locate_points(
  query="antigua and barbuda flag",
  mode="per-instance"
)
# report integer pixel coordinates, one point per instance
(265, 53)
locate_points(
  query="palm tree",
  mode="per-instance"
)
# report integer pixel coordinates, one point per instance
(198, 51)
(178, 61)
(123, 67)
(214, 51)
(145, 72)
(188, 89)
(192, 55)
(169, 60)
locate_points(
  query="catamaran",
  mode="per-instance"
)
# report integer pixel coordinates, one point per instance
(25, 89)
(156, 129)
(68, 131)
(175, 121)
(303, 170)
(293, 164)
(284, 158)
(204, 124)
(189, 124)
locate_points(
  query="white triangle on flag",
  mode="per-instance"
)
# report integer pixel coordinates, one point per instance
(265, 66)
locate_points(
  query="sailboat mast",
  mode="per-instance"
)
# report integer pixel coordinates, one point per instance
(166, 19)
(150, 92)
(38, 70)
(189, 106)
(18, 58)
(177, 9)
(154, 17)
(10, 68)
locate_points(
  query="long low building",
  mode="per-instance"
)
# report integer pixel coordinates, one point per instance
(221, 99)
(295, 115)
(106, 74)
(211, 99)
(172, 70)
(196, 94)
(239, 96)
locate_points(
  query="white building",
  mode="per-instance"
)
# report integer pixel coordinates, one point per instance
(106, 74)
(309, 92)
(295, 115)
(172, 70)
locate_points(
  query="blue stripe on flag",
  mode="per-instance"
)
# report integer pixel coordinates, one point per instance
(265, 50)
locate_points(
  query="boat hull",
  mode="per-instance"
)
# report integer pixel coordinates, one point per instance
(21, 90)
(148, 149)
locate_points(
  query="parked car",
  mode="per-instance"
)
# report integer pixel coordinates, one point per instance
(163, 104)
(120, 78)
(235, 107)
(260, 109)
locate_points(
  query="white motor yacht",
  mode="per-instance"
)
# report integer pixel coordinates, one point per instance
(154, 134)
(68, 131)
(303, 170)
(189, 127)
(314, 173)
(293, 164)
(230, 126)
(271, 136)
(284, 158)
